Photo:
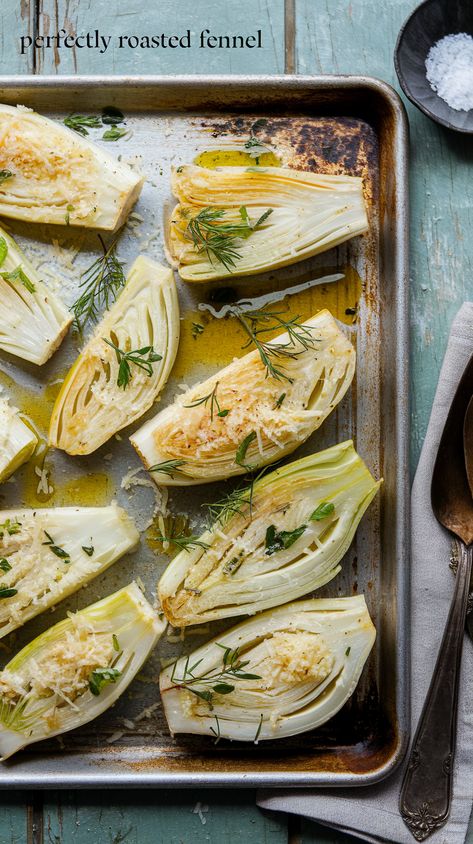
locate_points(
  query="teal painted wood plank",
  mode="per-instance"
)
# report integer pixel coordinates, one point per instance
(337, 36)
(130, 17)
(161, 817)
(13, 818)
(16, 20)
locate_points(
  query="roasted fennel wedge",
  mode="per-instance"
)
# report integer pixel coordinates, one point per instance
(272, 542)
(279, 674)
(246, 416)
(247, 220)
(75, 670)
(47, 554)
(56, 176)
(33, 321)
(124, 365)
(17, 440)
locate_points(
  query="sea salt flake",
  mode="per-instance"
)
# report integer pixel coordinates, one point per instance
(449, 67)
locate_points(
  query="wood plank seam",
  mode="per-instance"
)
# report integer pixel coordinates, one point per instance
(289, 36)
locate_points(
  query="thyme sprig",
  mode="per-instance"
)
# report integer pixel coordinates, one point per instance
(215, 681)
(142, 358)
(218, 239)
(99, 284)
(214, 404)
(259, 322)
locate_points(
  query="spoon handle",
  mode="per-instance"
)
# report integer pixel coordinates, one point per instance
(427, 786)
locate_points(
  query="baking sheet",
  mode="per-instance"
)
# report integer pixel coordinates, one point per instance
(331, 125)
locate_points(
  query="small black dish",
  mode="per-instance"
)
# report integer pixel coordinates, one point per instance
(431, 21)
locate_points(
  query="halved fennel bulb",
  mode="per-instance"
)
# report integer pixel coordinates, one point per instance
(266, 417)
(92, 404)
(17, 440)
(58, 176)
(279, 674)
(75, 670)
(47, 554)
(233, 232)
(33, 321)
(273, 542)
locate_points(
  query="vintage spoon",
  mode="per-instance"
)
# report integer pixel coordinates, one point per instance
(468, 449)
(427, 786)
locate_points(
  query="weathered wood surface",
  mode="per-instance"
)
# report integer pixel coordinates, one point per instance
(309, 36)
(339, 36)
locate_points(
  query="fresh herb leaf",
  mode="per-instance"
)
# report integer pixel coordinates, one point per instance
(78, 122)
(4, 175)
(99, 284)
(10, 527)
(324, 509)
(6, 591)
(19, 275)
(214, 405)
(243, 448)
(112, 115)
(59, 552)
(4, 564)
(88, 549)
(114, 133)
(223, 688)
(101, 677)
(210, 234)
(135, 357)
(347, 652)
(283, 539)
(3, 250)
(167, 467)
(280, 400)
(197, 328)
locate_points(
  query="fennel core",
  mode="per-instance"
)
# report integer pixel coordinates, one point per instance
(218, 239)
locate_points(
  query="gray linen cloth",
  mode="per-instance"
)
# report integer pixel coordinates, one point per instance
(371, 813)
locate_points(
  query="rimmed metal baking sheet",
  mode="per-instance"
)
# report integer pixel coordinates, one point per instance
(172, 119)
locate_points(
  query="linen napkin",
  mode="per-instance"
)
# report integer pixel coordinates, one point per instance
(371, 813)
